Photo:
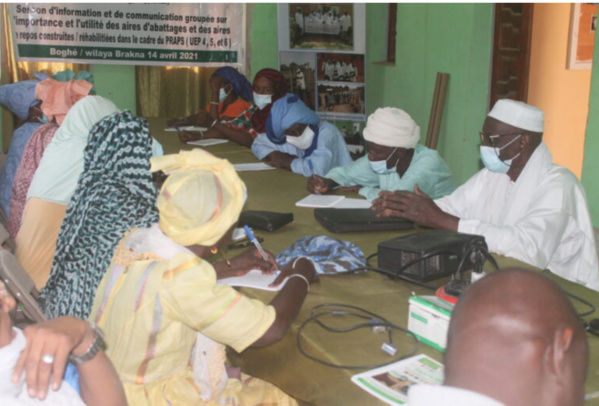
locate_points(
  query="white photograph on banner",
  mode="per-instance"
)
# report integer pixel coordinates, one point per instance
(321, 26)
(336, 27)
(341, 101)
(337, 67)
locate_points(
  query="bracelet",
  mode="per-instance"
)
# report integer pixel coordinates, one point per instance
(96, 345)
(214, 122)
(300, 276)
(215, 103)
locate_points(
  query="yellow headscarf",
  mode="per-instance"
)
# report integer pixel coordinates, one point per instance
(201, 199)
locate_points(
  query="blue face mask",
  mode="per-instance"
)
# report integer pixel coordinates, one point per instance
(491, 160)
(380, 167)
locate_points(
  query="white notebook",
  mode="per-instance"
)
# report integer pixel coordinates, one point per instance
(253, 279)
(186, 128)
(349, 203)
(319, 201)
(258, 166)
(207, 142)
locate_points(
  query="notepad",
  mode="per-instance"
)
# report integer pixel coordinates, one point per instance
(186, 128)
(258, 166)
(349, 203)
(207, 142)
(253, 279)
(319, 201)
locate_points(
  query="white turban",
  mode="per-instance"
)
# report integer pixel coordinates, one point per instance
(392, 127)
(518, 114)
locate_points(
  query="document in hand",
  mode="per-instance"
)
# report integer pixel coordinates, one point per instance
(253, 279)
(391, 383)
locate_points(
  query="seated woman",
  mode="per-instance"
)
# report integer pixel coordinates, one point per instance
(231, 108)
(20, 99)
(269, 86)
(114, 194)
(53, 185)
(395, 161)
(32, 155)
(41, 352)
(298, 141)
(161, 287)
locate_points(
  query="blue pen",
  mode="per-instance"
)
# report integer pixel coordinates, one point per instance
(254, 240)
(177, 128)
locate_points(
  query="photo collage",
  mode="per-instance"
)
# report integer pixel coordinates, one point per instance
(322, 65)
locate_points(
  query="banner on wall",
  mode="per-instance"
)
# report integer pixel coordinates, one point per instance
(321, 54)
(166, 34)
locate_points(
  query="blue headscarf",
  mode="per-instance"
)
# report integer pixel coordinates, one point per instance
(285, 112)
(241, 86)
(19, 97)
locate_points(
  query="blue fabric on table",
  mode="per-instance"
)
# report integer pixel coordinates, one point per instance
(329, 255)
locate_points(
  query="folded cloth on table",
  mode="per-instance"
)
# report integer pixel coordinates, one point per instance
(329, 255)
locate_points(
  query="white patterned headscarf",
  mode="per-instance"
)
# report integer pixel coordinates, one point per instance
(114, 194)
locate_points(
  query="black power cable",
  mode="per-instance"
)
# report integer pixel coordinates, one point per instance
(370, 320)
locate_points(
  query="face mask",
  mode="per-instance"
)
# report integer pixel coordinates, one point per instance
(303, 141)
(262, 100)
(380, 167)
(222, 95)
(491, 160)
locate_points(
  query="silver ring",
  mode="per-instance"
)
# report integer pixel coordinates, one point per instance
(48, 359)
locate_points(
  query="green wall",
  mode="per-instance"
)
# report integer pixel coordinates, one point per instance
(431, 38)
(590, 165)
(117, 83)
(263, 38)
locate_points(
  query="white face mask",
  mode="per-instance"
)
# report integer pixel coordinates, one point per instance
(262, 100)
(380, 167)
(222, 95)
(303, 141)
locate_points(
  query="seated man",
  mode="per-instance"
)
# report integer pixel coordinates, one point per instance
(298, 141)
(514, 339)
(395, 161)
(525, 206)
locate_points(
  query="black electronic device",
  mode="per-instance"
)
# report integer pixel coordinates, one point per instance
(358, 220)
(431, 255)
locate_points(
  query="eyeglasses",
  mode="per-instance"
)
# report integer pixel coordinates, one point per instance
(491, 139)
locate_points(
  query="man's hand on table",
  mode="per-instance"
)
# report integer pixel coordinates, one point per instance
(280, 160)
(319, 185)
(416, 207)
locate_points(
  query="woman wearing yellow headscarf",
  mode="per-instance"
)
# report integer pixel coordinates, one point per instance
(160, 296)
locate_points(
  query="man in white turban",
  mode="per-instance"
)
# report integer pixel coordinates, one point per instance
(395, 161)
(524, 205)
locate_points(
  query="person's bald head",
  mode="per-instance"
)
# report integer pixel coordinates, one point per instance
(514, 336)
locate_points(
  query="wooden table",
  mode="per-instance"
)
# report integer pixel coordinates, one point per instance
(282, 363)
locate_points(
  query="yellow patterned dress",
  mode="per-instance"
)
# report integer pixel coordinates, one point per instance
(151, 311)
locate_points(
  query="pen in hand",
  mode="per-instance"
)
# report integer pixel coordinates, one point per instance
(254, 240)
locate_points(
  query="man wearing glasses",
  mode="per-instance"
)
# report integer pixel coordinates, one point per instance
(525, 206)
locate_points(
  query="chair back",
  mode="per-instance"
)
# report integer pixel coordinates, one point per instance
(21, 286)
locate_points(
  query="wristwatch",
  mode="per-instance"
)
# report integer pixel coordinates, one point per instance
(97, 344)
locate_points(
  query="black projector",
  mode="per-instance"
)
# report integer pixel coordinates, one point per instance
(431, 255)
